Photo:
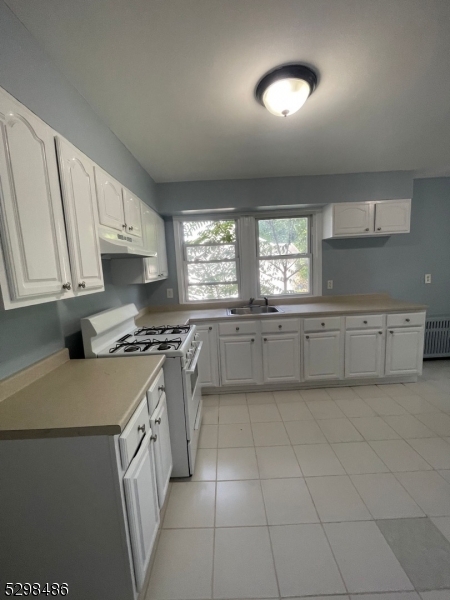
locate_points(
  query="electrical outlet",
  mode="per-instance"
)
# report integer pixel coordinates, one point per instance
(330, 284)
(169, 292)
(428, 278)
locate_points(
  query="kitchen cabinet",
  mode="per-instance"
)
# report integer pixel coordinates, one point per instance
(404, 350)
(162, 250)
(393, 216)
(159, 423)
(281, 357)
(78, 191)
(350, 218)
(132, 213)
(240, 359)
(364, 353)
(110, 201)
(322, 356)
(208, 364)
(34, 266)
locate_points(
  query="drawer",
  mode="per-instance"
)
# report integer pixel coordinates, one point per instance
(280, 325)
(134, 433)
(237, 327)
(155, 392)
(322, 324)
(406, 319)
(364, 322)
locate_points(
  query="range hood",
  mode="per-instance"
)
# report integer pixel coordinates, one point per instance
(121, 247)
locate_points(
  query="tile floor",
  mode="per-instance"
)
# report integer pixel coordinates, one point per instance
(337, 493)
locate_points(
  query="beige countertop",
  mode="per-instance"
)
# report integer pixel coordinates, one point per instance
(80, 397)
(319, 305)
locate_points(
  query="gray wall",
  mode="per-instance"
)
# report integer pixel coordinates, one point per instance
(29, 334)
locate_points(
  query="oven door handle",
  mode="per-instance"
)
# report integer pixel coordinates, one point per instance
(194, 361)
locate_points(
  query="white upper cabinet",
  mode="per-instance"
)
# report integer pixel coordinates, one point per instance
(36, 263)
(361, 219)
(393, 216)
(109, 198)
(78, 190)
(162, 251)
(132, 210)
(150, 228)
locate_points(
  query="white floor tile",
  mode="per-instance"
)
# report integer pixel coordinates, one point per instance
(208, 436)
(305, 432)
(234, 414)
(366, 561)
(369, 391)
(437, 422)
(429, 490)
(339, 430)
(436, 595)
(355, 407)
(260, 398)
(341, 393)
(237, 463)
(358, 458)
(304, 562)
(416, 405)
(232, 399)
(394, 389)
(441, 402)
(264, 413)
(319, 394)
(288, 502)
(210, 415)
(389, 596)
(435, 451)
(212, 400)
(445, 475)
(294, 411)
(243, 564)
(277, 462)
(288, 396)
(325, 409)
(191, 504)
(336, 499)
(239, 504)
(385, 497)
(270, 434)
(386, 406)
(235, 435)
(443, 524)
(374, 428)
(422, 388)
(399, 456)
(318, 460)
(205, 465)
(183, 565)
(408, 426)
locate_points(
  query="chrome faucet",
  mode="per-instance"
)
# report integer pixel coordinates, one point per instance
(266, 300)
(250, 302)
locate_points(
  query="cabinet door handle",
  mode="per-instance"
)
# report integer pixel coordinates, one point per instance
(407, 320)
(252, 340)
(378, 228)
(82, 284)
(130, 228)
(366, 229)
(307, 337)
(280, 326)
(153, 438)
(67, 286)
(124, 226)
(380, 332)
(141, 428)
(210, 328)
(161, 388)
(265, 339)
(237, 328)
(323, 324)
(158, 421)
(365, 322)
(391, 331)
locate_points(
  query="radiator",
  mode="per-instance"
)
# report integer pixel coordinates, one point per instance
(437, 337)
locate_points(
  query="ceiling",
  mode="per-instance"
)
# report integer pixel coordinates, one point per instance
(174, 79)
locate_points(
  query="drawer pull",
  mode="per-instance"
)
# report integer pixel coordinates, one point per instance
(307, 337)
(252, 340)
(323, 324)
(380, 332)
(365, 322)
(67, 286)
(366, 229)
(158, 421)
(280, 326)
(162, 388)
(210, 328)
(141, 428)
(408, 320)
(153, 438)
(82, 284)
(265, 339)
(378, 228)
(237, 328)
(391, 331)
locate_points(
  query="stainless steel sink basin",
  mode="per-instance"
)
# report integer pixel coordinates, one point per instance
(253, 310)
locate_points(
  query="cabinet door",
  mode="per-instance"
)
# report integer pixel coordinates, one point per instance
(393, 216)
(31, 216)
(404, 350)
(141, 498)
(240, 360)
(353, 218)
(132, 212)
(322, 357)
(78, 190)
(110, 202)
(163, 450)
(364, 353)
(281, 358)
(208, 363)
(162, 251)
(150, 229)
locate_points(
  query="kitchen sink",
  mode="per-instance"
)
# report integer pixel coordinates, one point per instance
(253, 310)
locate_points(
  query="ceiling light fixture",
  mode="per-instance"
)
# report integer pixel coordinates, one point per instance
(284, 90)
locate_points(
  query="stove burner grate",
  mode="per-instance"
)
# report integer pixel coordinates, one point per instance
(163, 329)
(144, 345)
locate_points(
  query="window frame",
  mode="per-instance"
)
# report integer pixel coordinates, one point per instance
(247, 252)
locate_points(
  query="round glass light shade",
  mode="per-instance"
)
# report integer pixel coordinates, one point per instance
(285, 97)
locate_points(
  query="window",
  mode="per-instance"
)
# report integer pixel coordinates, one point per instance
(247, 256)
(210, 255)
(284, 259)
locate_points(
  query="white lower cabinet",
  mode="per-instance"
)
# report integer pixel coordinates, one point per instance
(322, 356)
(364, 352)
(240, 360)
(404, 350)
(281, 358)
(208, 364)
(159, 422)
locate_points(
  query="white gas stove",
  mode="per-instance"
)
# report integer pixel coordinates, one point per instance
(114, 333)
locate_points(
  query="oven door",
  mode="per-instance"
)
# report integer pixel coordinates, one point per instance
(192, 389)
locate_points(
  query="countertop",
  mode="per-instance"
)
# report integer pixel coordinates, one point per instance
(80, 397)
(320, 305)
